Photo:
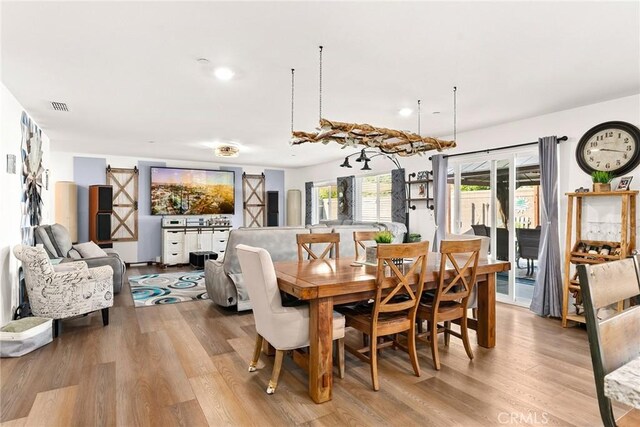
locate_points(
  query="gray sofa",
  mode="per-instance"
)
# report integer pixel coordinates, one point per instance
(57, 243)
(224, 279)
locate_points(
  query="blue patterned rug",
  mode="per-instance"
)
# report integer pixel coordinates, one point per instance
(167, 288)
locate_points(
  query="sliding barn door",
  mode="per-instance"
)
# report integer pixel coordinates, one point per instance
(253, 196)
(124, 220)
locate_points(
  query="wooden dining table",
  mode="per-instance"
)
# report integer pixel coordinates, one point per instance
(328, 282)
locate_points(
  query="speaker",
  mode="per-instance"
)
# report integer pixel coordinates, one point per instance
(67, 207)
(294, 203)
(103, 227)
(100, 210)
(272, 208)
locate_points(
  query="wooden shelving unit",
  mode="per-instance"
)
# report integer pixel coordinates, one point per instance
(411, 199)
(576, 252)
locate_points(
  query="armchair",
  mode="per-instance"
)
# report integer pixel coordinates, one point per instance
(57, 244)
(69, 290)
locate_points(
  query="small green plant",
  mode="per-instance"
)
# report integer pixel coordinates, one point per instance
(601, 177)
(414, 237)
(384, 237)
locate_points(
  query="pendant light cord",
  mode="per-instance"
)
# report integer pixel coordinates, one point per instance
(320, 98)
(418, 117)
(455, 114)
(292, 93)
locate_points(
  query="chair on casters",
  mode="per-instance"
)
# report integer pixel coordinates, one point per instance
(614, 341)
(395, 304)
(285, 328)
(451, 299)
(66, 290)
(305, 242)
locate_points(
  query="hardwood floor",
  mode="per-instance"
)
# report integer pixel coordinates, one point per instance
(186, 365)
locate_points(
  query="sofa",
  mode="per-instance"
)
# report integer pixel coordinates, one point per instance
(56, 242)
(224, 279)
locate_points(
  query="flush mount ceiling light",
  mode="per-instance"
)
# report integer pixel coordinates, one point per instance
(223, 73)
(227, 150)
(405, 112)
(388, 141)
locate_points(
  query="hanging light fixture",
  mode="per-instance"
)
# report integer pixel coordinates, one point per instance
(388, 141)
(363, 156)
(346, 164)
(366, 166)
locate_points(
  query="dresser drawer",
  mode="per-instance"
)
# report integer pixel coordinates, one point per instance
(173, 258)
(170, 247)
(174, 236)
(221, 234)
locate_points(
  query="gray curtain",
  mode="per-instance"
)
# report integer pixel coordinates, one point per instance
(547, 294)
(398, 196)
(440, 166)
(308, 202)
(346, 197)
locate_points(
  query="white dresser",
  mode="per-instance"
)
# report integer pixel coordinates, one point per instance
(178, 242)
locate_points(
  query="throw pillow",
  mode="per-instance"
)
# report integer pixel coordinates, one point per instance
(89, 250)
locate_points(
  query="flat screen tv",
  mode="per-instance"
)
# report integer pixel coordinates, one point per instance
(176, 191)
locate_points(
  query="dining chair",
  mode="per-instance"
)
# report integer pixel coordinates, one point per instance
(394, 307)
(285, 328)
(359, 237)
(615, 340)
(309, 241)
(451, 298)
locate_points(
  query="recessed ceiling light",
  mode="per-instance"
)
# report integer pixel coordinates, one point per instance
(151, 142)
(405, 112)
(436, 112)
(223, 73)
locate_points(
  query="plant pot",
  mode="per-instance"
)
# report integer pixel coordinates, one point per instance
(372, 255)
(414, 238)
(601, 188)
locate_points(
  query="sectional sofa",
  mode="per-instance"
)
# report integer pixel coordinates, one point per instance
(224, 279)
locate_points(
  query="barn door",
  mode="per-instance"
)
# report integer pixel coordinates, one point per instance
(124, 220)
(253, 195)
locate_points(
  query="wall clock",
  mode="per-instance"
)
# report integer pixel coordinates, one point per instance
(611, 147)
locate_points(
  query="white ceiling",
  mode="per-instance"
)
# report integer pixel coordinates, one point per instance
(129, 74)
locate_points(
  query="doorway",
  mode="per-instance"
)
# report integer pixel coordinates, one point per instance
(498, 195)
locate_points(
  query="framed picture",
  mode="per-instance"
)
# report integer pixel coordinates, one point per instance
(624, 183)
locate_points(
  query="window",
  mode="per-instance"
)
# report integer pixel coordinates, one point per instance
(326, 198)
(375, 198)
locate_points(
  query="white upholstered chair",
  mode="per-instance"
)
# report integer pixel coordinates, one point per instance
(285, 328)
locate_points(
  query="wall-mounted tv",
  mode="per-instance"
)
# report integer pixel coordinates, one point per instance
(176, 191)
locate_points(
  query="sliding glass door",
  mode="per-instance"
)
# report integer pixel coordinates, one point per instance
(496, 195)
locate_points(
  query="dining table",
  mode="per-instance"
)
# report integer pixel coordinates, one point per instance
(325, 283)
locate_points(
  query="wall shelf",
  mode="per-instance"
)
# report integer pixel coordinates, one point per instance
(427, 198)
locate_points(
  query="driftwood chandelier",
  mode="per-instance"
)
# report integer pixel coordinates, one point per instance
(388, 141)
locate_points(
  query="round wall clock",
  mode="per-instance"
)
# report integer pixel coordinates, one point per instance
(611, 147)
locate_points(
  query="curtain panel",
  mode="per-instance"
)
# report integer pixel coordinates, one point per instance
(346, 197)
(308, 202)
(547, 294)
(440, 167)
(398, 197)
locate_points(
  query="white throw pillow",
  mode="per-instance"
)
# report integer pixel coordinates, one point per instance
(89, 250)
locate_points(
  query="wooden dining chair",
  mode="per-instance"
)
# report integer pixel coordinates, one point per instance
(359, 237)
(305, 241)
(615, 340)
(395, 304)
(451, 298)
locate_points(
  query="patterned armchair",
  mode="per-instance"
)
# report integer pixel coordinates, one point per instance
(67, 290)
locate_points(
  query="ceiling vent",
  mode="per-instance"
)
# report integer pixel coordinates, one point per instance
(59, 106)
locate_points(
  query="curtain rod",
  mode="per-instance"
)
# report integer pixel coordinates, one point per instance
(488, 150)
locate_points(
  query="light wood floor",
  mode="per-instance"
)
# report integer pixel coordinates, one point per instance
(186, 365)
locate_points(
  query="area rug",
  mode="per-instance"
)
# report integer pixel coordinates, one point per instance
(167, 288)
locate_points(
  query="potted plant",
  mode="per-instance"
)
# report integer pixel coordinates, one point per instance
(381, 238)
(414, 237)
(601, 181)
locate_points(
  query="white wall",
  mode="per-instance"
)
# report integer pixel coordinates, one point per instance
(573, 123)
(11, 192)
(63, 171)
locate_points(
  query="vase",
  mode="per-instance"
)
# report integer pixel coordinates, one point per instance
(601, 188)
